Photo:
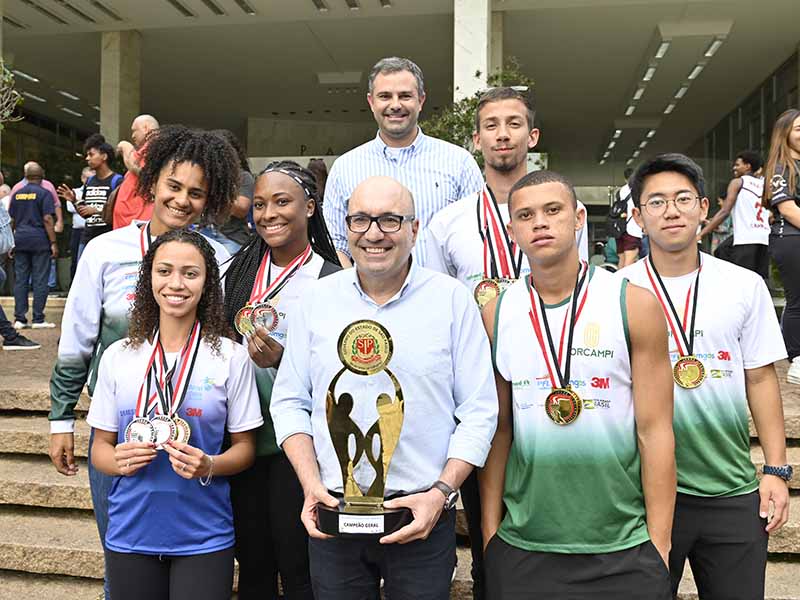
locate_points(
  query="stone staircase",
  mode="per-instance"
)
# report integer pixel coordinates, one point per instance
(49, 547)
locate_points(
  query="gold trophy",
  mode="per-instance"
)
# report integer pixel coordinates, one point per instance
(365, 348)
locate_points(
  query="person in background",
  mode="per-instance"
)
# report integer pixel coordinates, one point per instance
(782, 197)
(721, 239)
(5, 195)
(32, 213)
(598, 258)
(127, 204)
(320, 170)
(629, 244)
(76, 246)
(235, 231)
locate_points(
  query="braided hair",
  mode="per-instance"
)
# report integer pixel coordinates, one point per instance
(144, 314)
(174, 144)
(242, 272)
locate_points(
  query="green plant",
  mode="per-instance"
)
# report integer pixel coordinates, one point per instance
(456, 121)
(10, 98)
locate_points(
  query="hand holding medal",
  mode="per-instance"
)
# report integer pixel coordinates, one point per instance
(259, 311)
(187, 461)
(263, 349)
(131, 457)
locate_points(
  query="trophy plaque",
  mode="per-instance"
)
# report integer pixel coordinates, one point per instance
(365, 348)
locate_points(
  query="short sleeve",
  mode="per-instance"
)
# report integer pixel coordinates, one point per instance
(244, 408)
(103, 408)
(247, 185)
(434, 247)
(779, 187)
(48, 207)
(761, 340)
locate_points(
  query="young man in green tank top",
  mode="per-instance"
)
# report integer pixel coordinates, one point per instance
(724, 341)
(583, 454)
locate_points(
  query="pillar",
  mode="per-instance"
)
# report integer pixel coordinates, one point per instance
(471, 32)
(120, 83)
(496, 43)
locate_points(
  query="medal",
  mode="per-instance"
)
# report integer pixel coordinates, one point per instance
(242, 321)
(688, 371)
(165, 430)
(182, 430)
(563, 405)
(502, 259)
(264, 315)
(259, 311)
(140, 430)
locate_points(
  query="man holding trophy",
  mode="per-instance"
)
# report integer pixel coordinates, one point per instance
(384, 403)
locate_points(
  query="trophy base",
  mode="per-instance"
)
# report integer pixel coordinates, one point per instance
(361, 522)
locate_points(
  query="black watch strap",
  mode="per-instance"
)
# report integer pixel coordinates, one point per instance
(450, 495)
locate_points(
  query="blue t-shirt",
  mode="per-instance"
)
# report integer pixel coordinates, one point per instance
(155, 511)
(28, 207)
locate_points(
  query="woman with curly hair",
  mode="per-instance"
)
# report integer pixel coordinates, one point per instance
(266, 279)
(189, 175)
(164, 400)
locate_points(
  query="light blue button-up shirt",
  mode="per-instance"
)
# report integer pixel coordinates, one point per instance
(436, 172)
(441, 360)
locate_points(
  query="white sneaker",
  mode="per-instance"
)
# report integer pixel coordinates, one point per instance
(20, 325)
(44, 325)
(793, 376)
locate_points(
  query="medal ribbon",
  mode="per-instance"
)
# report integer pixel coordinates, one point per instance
(146, 402)
(144, 239)
(263, 290)
(577, 302)
(498, 249)
(674, 322)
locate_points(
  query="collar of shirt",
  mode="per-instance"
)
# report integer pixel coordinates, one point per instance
(380, 147)
(410, 277)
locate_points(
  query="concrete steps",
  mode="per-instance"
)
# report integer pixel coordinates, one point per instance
(16, 585)
(30, 434)
(35, 400)
(28, 480)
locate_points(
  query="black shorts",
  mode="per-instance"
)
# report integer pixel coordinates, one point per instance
(726, 544)
(637, 573)
(751, 256)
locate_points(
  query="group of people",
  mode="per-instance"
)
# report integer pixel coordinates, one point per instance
(595, 424)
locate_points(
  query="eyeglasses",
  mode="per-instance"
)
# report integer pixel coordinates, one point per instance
(386, 223)
(657, 205)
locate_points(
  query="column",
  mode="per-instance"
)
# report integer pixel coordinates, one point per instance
(496, 43)
(471, 31)
(120, 83)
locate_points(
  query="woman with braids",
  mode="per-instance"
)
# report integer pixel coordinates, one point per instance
(164, 399)
(782, 197)
(189, 175)
(265, 280)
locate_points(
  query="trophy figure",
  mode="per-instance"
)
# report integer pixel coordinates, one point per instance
(365, 348)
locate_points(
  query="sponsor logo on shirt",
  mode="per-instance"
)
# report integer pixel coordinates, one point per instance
(721, 374)
(593, 352)
(601, 383)
(543, 383)
(594, 403)
(591, 335)
(697, 333)
(194, 412)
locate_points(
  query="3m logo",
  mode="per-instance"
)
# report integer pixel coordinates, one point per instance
(194, 412)
(601, 383)
(723, 355)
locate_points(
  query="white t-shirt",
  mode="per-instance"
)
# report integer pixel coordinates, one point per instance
(291, 293)
(454, 246)
(750, 218)
(78, 222)
(632, 227)
(735, 329)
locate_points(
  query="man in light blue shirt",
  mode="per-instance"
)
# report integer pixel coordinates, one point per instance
(436, 172)
(431, 356)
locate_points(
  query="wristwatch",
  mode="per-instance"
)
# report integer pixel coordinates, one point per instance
(785, 472)
(450, 495)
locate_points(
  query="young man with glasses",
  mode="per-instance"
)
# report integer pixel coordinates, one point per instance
(723, 355)
(388, 332)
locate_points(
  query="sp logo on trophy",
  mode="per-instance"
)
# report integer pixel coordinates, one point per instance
(365, 348)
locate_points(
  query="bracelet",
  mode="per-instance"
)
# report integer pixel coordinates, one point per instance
(210, 475)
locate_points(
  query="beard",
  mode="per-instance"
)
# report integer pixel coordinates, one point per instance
(505, 165)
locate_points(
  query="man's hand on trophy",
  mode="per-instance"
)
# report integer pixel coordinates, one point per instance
(426, 508)
(264, 350)
(318, 495)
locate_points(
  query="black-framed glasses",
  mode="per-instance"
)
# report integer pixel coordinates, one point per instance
(657, 205)
(388, 223)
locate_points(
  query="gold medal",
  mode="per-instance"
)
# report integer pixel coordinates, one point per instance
(486, 290)
(242, 321)
(182, 430)
(563, 406)
(688, 372)
(365, 347)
